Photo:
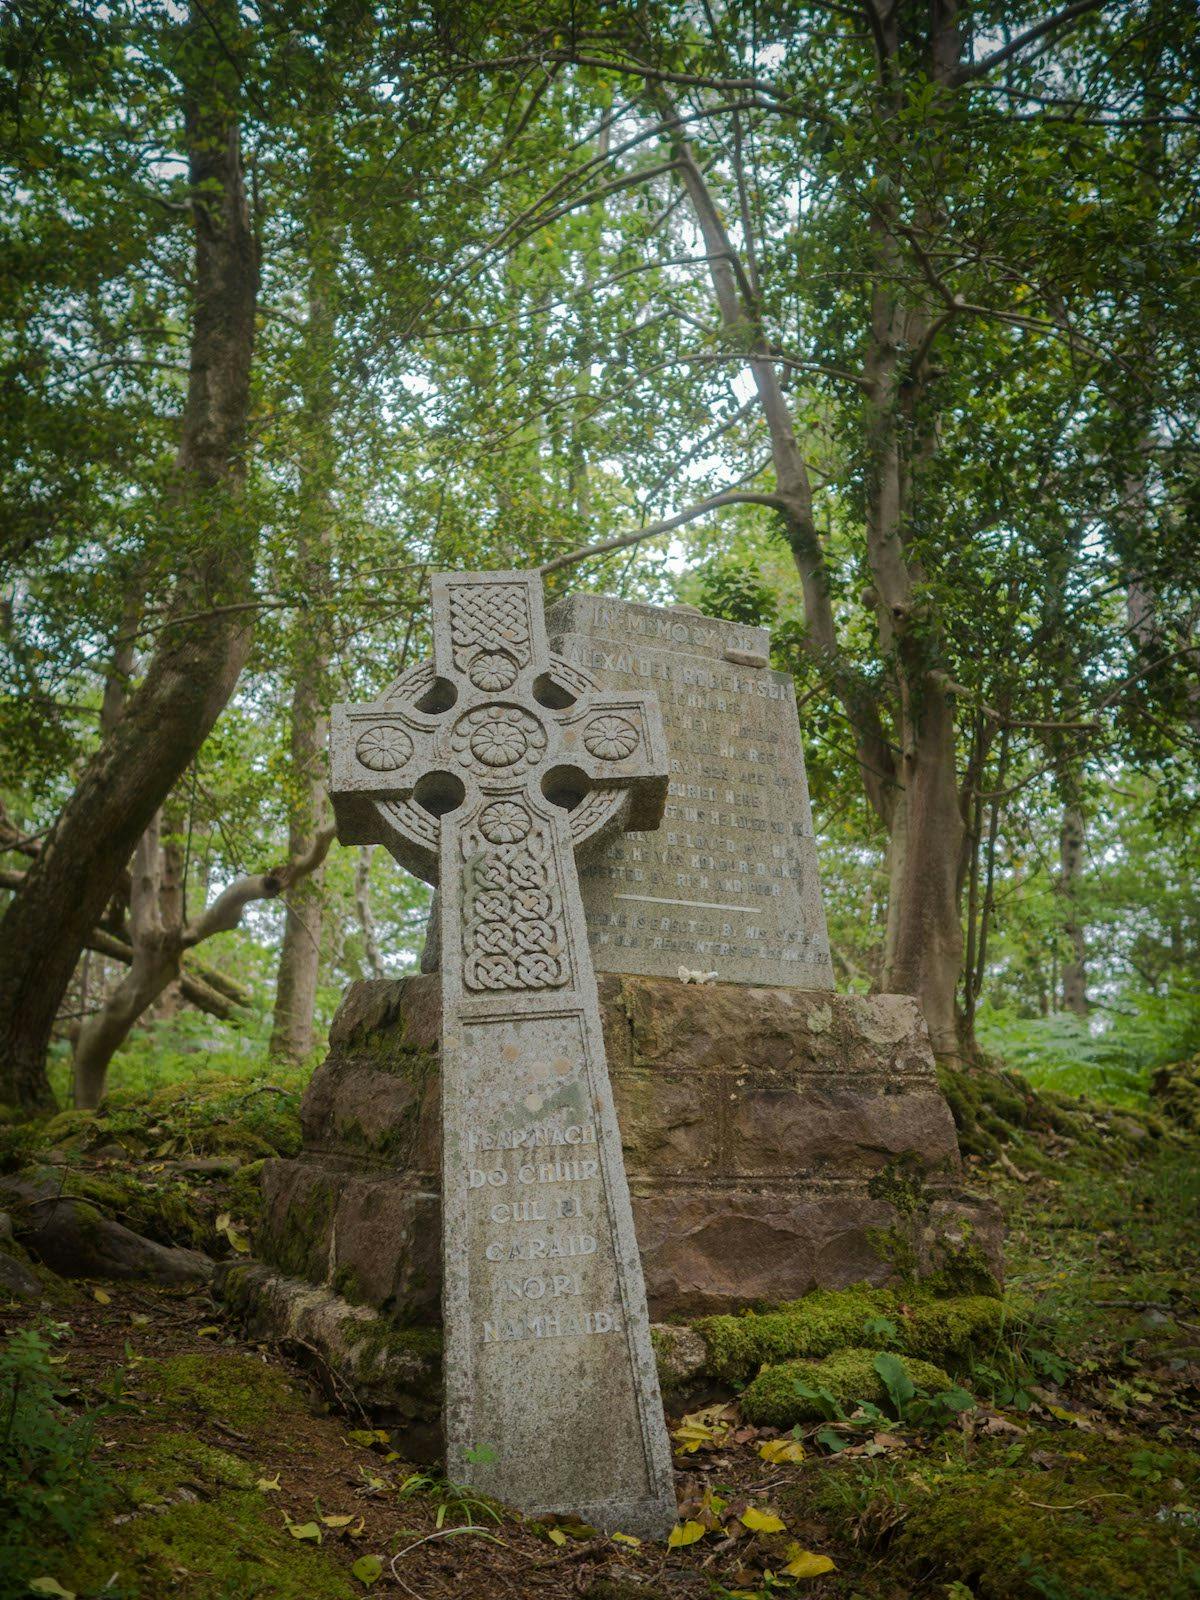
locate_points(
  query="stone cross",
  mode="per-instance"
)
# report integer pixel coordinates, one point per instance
(485, 770)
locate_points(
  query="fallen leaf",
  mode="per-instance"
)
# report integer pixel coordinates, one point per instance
(50, 1586)
(556, 1536)
(337, 1519)
(627, 1538)
(781, 1450)
(1073, 1417)
(704, 1430)
(268, 1485)
(304, 1530)
(807, 1564)
(367, 1569)
(763, 1521)
(211, 1332)
(103, 1298)
(685, 1533)
(367, 1436)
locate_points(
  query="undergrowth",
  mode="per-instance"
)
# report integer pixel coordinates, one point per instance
(50, 1486)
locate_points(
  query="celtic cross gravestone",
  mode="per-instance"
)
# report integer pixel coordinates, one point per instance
(485, 770)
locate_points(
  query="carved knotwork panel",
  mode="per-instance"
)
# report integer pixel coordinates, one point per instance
(514, 934)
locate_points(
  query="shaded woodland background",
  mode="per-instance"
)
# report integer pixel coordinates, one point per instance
(875, 325)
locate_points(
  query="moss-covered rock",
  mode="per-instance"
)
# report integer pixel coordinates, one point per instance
(849, 1376)
(164, 1211)
(245, 1192)
(946, 1331)
(1175, 1090)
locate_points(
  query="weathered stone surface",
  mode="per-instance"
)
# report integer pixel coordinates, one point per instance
(76, 1240)
(765, 1157)
(16, 1280)
(729, 882)
(485, 770)
(395, 1373)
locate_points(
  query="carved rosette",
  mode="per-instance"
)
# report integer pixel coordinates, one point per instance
(500, 740)
(514, 934)
(384, 748)
(610, 738)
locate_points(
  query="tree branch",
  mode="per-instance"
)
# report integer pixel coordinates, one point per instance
(226, 910)
(729, 497)
(969, 71)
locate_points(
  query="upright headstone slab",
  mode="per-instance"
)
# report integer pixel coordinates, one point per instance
(729, 882)
(484, 771)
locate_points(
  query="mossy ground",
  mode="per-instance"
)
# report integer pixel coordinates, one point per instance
(1074, 1477)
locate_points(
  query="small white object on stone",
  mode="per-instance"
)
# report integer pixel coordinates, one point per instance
(686, 975)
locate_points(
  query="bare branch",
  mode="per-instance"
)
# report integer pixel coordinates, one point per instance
(226, 910)
(729, 497)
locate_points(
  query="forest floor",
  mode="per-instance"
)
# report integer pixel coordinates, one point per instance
(215, 1471)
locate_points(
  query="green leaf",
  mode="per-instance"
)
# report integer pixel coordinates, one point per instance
(368, 1570)
(895, 1380)
(52, 1587)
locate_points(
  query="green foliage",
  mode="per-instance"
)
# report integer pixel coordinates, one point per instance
(1110, 1058)
(50, 1487)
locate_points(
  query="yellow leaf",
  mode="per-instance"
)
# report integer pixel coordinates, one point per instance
(304, 1530)
(1072, 1417)
(102, 1297)
(762, 1521)
(268, 1485)
(52, 1587)
(704, 1430)
(685, 1533)
(807, 1564)
(627, 1538)
(556, 1536)
(338, 1519)
(210, 1332)
(781, 1450)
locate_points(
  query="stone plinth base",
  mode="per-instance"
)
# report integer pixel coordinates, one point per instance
(776, 1141)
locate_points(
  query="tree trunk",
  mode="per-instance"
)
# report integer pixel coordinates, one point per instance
(161, 939)
(156, 958)
(1074, 973)
(300, 954)
(926, 957)
(924, 950)
(201, 653)
(366, 917)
